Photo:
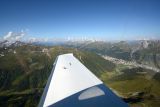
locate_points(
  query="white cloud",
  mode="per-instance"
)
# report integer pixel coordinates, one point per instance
(32, 39)
(14, 36)
(8, 35)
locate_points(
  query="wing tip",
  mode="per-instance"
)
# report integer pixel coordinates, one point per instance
(67, 54)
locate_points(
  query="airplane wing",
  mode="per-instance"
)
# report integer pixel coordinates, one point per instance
(71, 84)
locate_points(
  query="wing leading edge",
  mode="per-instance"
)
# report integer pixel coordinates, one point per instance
(71, 84)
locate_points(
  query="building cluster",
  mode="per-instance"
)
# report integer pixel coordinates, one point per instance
(130, 63)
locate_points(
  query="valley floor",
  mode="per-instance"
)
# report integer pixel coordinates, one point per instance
(136, 85)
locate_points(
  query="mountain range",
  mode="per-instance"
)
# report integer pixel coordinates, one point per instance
(25, 67)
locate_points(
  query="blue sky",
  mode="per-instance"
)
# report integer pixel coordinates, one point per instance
(109, 19)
